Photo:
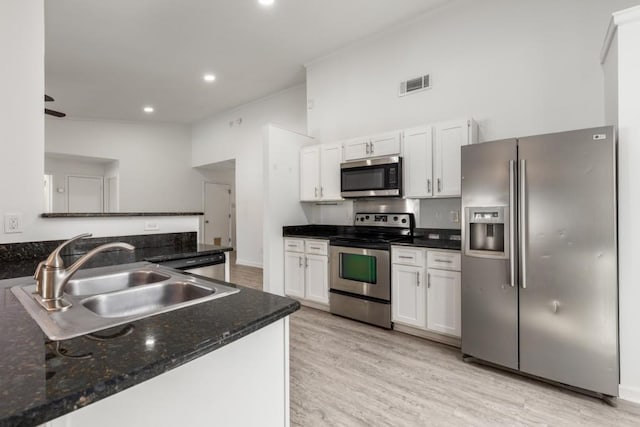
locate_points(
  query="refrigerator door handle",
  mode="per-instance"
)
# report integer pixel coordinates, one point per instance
(522, 213)
(512, 223)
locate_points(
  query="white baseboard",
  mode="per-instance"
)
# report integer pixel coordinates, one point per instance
(632, 394)
(248, 263)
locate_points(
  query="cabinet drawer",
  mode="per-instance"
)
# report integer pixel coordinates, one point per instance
(294, 245)
(406, 255)
(443, 260)
(317, 247)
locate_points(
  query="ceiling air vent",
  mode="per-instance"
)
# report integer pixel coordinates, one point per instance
(415, 85)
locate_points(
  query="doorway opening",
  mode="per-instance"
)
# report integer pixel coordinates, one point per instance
(219, 223)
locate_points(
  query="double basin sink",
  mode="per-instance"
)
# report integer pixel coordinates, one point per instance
(111, 296)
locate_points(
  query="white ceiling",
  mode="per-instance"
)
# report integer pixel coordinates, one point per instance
(108, 58)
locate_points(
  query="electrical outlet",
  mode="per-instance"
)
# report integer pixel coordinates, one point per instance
(13, 223)
(455, 216)
(151, 226)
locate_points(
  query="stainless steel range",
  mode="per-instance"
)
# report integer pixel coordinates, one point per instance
(360, 279)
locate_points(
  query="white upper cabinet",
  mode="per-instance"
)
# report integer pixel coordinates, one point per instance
(320, 172)
(447, 140)
(310, 173)
(330, 159)
(432, 158)
(355, 149)
(386, 144)
(418, 161)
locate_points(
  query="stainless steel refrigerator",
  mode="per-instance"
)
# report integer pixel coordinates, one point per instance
(539, 262)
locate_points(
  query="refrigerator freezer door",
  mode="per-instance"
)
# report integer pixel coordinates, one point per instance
(568, 310)
(489, 301)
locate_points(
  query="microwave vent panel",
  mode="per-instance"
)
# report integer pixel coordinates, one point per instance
(414, 85)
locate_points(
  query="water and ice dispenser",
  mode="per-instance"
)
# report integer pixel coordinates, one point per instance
(487, 232)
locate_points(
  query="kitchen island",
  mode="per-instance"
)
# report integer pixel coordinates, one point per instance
(221, 362)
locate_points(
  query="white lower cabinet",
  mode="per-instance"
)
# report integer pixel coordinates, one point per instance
(408, 291)
(433, 304)
(317, 278)
(294, 274)
(443, 301)
(306, 270)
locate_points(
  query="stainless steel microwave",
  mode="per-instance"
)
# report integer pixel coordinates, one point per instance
(379, 177)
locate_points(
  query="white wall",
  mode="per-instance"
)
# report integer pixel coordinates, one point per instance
(281, 199)
(21, 106)
(624, 63)
(22, 136)
(517, 67)
(60, 168)
(155, 172)
(213, 140)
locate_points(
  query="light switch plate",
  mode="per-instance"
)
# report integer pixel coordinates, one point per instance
(13, 223)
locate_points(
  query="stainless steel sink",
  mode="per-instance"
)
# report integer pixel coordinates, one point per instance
(146, 299)
(105, 297)
(113, 282)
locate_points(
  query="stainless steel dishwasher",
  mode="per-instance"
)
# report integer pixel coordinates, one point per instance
(211, 266)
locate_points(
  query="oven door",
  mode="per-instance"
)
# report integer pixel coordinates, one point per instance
(361, 271)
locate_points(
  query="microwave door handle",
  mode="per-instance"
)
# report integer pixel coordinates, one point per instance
(512, 223)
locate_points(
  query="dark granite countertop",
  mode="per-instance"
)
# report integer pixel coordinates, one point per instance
(116, 214)
(435, 238)
(168, 254)
(26, 267)
(40, 383)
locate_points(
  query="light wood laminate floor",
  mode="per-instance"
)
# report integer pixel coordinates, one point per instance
(345, 373)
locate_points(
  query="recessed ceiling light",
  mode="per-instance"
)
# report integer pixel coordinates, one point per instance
(148, 109)
(209, 78)
(266, 2)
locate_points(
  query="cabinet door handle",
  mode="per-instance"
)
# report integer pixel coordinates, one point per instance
(315, 247)
(428, 280)
(428, 185)
(321, 191)
(371, 144)
(405, 257)
(315, 192)
(418, 278)
(299, 261)
(366, 144)
(439, 185)
(448, 261)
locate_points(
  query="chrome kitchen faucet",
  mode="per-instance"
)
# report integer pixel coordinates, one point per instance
(52, 276)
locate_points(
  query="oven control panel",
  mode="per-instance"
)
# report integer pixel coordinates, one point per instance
(395, 220)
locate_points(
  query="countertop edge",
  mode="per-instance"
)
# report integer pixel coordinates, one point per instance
(52, 410)
(116, 214)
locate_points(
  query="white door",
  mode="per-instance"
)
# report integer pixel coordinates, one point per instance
(449, 138)
(408, 294)
(330, 159)
(386, 144)
(310, 173)
(418, 162)
(294, 274)
(317, 278)
(443, 302)
(356, 149)
(217, 214)
(84, 194)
